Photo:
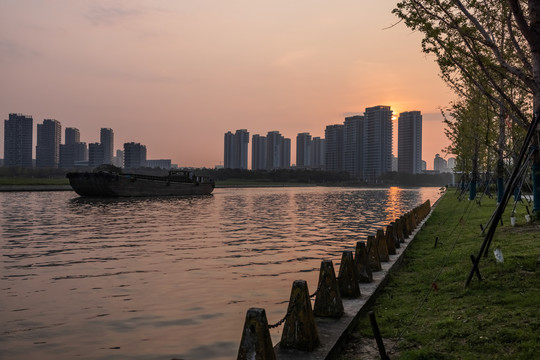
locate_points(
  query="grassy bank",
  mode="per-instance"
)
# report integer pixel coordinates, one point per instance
(425, 311)
(33, 181)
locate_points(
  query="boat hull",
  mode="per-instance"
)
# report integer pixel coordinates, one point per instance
(129, 185)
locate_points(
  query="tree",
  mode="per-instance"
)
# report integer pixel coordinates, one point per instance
(493, 45)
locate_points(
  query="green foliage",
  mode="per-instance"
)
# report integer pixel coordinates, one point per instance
(496, 318)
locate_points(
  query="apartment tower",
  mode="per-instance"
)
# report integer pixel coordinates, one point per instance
(334, 147)
(377, 142)
(18, 133)
(49, 135)
(303, 150)
(410, 142)
(353, 133)
(107, 141)
(258, 152)
(236, 150)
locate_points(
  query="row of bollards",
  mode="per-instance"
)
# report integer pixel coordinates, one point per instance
(299, 329)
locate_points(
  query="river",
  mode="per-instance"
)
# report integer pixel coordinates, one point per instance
(164, 278)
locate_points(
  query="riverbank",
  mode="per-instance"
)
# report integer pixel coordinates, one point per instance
(425, 311)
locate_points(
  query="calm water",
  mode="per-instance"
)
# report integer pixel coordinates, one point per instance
(170, 277)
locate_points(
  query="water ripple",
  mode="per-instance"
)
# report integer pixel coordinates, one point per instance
(171, 277)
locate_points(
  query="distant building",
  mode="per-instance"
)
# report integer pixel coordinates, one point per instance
(236, 149)
(107, 141)
(303, 150)
(334, 147)
(318, 152)
(18, 136)
(286, 154)
(451, 164)
(134, 155)
(377, 142)
(439, 164)
(49, 135)
(95, 154)
(424, 165)
(278, 151)
(160, 163)
(258, 152)
(119, 159)
(72, 136)
(394, 163)
(73, 152)
(410, 142)
(353, 152)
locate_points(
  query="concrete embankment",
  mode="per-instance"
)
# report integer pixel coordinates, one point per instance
(331, 331)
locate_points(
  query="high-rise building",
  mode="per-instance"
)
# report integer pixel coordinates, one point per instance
(134, 155)
(377, 142)
(95, 154)
(439, 164)
(73, 152)
(18, 133)
(236, 150)
(318, 153)
(49, 135)
(258, 152)
(107, 141)
(278, 151)
(119, 158)
(353, 133)
(159, 163)
(334, 147)
(73, 155)
(73, 136)
(410, 142)
(303, 150)
(451, 164)
(286, 153)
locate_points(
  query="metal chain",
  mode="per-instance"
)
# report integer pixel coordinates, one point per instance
(285, 317)
(290, 310)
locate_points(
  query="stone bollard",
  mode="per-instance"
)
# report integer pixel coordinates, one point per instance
(373, 253)
(410, 218)
(390, 241)
(300, 331)
(361, 260)
(348, 277)
(382, 248)
(395, 234)
(256, 342)
(328, 299)
(405, 223)
(414, 218)
(399, 230)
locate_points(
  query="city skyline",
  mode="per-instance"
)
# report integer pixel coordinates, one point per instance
(177, 75)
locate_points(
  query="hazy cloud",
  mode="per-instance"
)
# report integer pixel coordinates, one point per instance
(100, 14)
(10, 50)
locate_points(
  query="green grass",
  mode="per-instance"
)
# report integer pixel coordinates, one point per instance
(33, 181)
(496, 318)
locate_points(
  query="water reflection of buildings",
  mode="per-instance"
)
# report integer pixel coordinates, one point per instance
(393, 208)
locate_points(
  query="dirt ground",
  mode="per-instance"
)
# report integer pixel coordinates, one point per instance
(366, 349)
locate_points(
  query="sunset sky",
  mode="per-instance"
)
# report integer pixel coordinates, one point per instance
(176, 75)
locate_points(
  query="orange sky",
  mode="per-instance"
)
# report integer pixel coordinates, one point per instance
(176, 75)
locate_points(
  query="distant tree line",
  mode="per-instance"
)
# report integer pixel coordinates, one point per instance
(304, 176)
(278, 175)
(405, 179)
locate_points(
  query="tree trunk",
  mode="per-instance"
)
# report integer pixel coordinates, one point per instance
(500, 153)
